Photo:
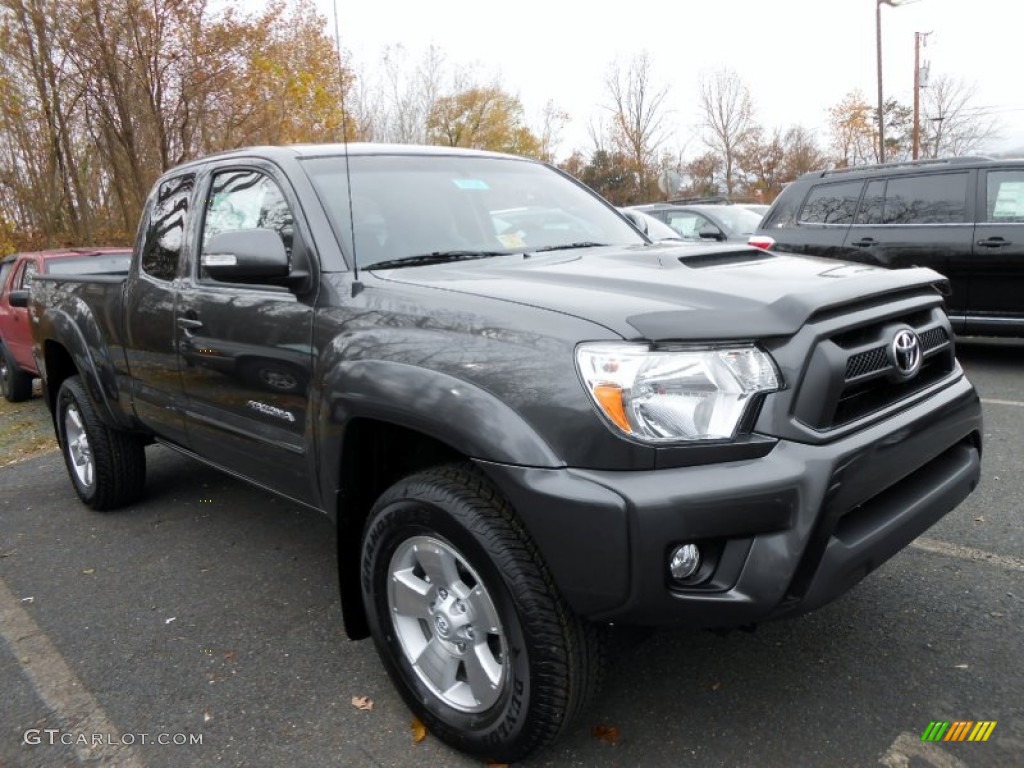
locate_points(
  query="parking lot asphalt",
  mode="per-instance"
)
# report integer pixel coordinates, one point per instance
(209, 612)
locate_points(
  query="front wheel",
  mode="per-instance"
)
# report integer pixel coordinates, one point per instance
(15, 383)
(107, 466)
(467, 619)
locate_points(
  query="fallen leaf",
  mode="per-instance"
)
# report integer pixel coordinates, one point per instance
(716, 686)
(419, 731)
(229, 656)
(364, 703)
(207, 717)
(979, 519)
(88, 571)
(606, 733)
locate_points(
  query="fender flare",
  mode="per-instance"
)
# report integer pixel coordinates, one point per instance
(453, 411)
(83, 342)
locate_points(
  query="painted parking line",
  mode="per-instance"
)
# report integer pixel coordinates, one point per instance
(937, 547)
(1016, 403)
(61, 690)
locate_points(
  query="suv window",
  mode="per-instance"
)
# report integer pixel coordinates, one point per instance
(936, 198)
(1004, 201)
(165, 233)
(832, 203)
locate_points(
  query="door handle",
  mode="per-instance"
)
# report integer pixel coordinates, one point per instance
(993, 242)
(864, 242)
(188, 324)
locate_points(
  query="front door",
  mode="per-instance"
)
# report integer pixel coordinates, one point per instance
(246, 358)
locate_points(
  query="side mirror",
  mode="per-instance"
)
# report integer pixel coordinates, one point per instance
(636, 221)
(244, 256)
(18, 298)
(710, 232)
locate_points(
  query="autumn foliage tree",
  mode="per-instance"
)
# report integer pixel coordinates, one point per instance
(101, 96)
(482, 117)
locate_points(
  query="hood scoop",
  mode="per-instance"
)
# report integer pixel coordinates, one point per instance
(724, 258)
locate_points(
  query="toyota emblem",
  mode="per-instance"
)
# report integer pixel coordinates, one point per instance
(905, 353)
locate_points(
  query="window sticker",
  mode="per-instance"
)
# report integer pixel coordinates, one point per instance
(471, 184)
(512, 240)
(1009, 201)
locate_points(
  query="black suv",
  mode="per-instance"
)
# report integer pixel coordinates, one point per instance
(963, 216)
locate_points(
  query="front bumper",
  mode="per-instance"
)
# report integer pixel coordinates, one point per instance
(784, 534)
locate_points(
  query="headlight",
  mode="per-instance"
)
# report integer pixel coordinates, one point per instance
(671, 396)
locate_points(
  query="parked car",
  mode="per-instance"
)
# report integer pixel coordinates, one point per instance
(523, 436)
(705, 222)
(655, 229)
(963, 217)
(17, 368)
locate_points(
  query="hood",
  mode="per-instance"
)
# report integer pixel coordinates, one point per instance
(662, 292)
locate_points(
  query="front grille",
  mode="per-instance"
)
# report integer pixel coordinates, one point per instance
(852, 374)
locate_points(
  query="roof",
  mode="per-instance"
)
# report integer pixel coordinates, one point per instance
(932, 164)
(61, 253)
(354, 149)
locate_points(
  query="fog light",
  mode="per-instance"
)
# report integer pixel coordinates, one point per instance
(685, 561)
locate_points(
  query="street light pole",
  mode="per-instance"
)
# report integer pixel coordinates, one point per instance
(881, 102)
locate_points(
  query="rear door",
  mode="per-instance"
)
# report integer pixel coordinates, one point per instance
(997, 282)
(246, 349)
(920, 220)
(150, 332)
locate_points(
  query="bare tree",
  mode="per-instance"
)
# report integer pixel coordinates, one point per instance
(728, 118)
(638, 115)
(951, 124)
(553, 119)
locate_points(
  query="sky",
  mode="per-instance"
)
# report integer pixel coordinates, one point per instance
(797, 57)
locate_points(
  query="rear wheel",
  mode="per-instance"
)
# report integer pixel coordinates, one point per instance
(107, 466)
(15, 383)
(467, 619)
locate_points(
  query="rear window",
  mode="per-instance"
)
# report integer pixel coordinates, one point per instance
(90, 265)
(832, 203)
(935, 198)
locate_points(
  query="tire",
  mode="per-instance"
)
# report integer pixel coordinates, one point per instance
(15, 383)
(107, 466)
(468, 621)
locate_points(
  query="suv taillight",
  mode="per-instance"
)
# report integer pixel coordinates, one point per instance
(761, 241)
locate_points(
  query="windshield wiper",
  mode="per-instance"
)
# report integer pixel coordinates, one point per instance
(437, 257)
(567, 246)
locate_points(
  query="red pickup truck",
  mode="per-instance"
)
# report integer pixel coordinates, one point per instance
(17, 368)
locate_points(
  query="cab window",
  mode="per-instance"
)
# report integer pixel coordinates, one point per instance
(242, 199)
(165, 231)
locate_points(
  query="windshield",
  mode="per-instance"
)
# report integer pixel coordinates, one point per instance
(738, 219)
(406, 206)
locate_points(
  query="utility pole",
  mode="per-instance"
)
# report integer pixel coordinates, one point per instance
(920, 38)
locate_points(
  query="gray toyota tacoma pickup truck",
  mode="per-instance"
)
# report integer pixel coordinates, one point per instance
(528, 421)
